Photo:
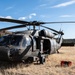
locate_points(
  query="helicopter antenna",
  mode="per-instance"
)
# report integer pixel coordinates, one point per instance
(28, 27)
(39, 27)
(34, 27)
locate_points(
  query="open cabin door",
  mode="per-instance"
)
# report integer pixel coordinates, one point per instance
(43, 44)
(46, 46)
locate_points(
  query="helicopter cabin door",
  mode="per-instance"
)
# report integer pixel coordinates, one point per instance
(46, 46)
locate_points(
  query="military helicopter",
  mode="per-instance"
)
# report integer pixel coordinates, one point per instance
(31, 43)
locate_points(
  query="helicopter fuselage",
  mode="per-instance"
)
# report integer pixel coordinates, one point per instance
(21, 46)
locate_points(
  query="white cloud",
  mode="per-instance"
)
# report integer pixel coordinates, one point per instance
(31, 15)
(22, 18)
(67, 16)
(42, 5)
(9, 17)
(27, 17)
(64, 4)
(8, 8)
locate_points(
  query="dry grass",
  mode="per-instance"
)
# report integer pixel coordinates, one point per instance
(51, 67)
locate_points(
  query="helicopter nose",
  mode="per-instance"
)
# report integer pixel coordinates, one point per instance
(4, 53)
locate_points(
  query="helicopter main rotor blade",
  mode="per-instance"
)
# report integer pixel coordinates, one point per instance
(36, 23)
(58, 22)
(13, 27)
(33, 23)
(59, 32)
(13, 21)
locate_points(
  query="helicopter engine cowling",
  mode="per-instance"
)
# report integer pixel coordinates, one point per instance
(46, 33)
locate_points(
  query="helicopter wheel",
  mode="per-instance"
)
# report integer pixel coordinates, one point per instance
(42, 60)
(57, 51)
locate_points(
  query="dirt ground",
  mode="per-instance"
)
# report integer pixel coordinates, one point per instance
(50, 67)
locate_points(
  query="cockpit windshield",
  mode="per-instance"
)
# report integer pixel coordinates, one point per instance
(11, 40)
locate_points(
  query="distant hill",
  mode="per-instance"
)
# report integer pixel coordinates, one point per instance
(68, 42)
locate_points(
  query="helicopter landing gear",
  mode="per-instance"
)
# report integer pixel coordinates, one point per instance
(42, 60)
(57, 51)
(39, 60)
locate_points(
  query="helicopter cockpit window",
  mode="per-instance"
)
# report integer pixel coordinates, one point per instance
(1, 39)
(28, 41)
(24, 42)
(10, 40)
(4, 40)
(16, 40)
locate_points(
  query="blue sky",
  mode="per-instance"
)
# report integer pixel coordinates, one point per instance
(41, 10)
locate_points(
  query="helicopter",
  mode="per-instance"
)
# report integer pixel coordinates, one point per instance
(32, 43)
